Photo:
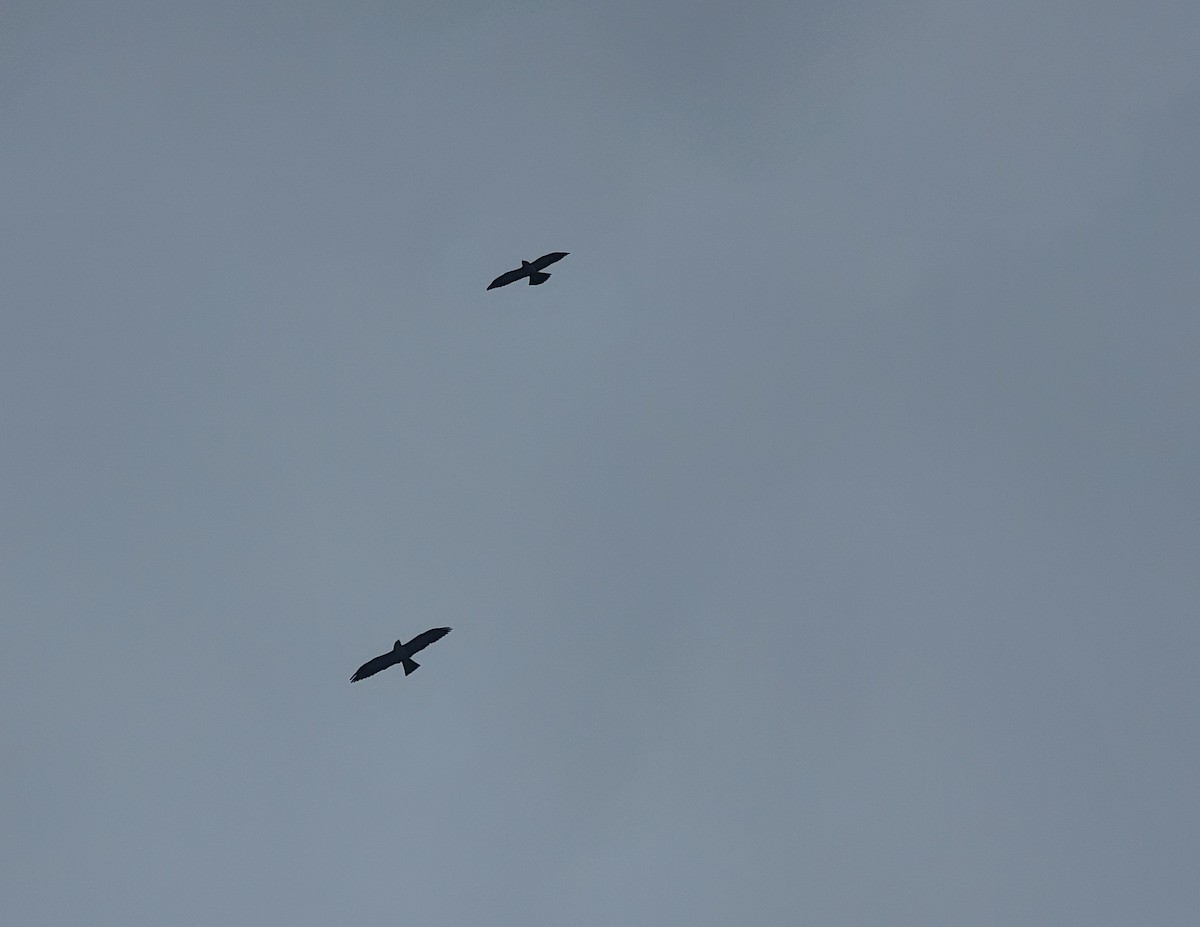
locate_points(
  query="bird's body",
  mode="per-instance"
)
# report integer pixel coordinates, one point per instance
(402, 653)
(530, 269)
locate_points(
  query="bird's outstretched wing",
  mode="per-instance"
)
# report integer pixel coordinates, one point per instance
(547, 259)
(371, 667)
(511, 277)
(421, 641)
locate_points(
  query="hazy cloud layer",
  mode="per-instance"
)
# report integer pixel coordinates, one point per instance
(820, 541)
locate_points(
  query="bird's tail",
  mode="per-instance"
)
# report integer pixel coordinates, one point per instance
(538, 277)
(409, 665)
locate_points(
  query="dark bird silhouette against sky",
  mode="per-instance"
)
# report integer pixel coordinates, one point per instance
(530, 269)
(401, 653)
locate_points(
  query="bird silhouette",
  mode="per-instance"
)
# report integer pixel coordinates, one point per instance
(401, 653)
(530, 269)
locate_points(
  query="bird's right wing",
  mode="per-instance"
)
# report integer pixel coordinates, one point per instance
(547, 259)
(371, 667)
(510, 277)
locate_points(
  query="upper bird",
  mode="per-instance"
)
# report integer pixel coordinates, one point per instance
(530, 269)
(401, 653)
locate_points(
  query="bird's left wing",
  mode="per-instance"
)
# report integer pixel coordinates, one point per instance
(510, 277)
(547, 259)
(423, 640)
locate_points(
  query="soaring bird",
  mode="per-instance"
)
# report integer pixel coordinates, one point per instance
(401, 653)
(530, 269)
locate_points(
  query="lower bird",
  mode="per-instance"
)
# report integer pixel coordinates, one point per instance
(402, 653)
(531, 269)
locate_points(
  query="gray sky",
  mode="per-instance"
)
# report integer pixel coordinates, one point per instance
(820, 542)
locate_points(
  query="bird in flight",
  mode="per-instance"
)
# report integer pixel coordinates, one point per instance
(530, 269)
(401, 653)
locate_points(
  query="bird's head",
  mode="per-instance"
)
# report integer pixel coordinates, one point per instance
(398, 645)
(525, 265)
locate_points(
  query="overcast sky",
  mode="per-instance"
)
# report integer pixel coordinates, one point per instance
(821, 542)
